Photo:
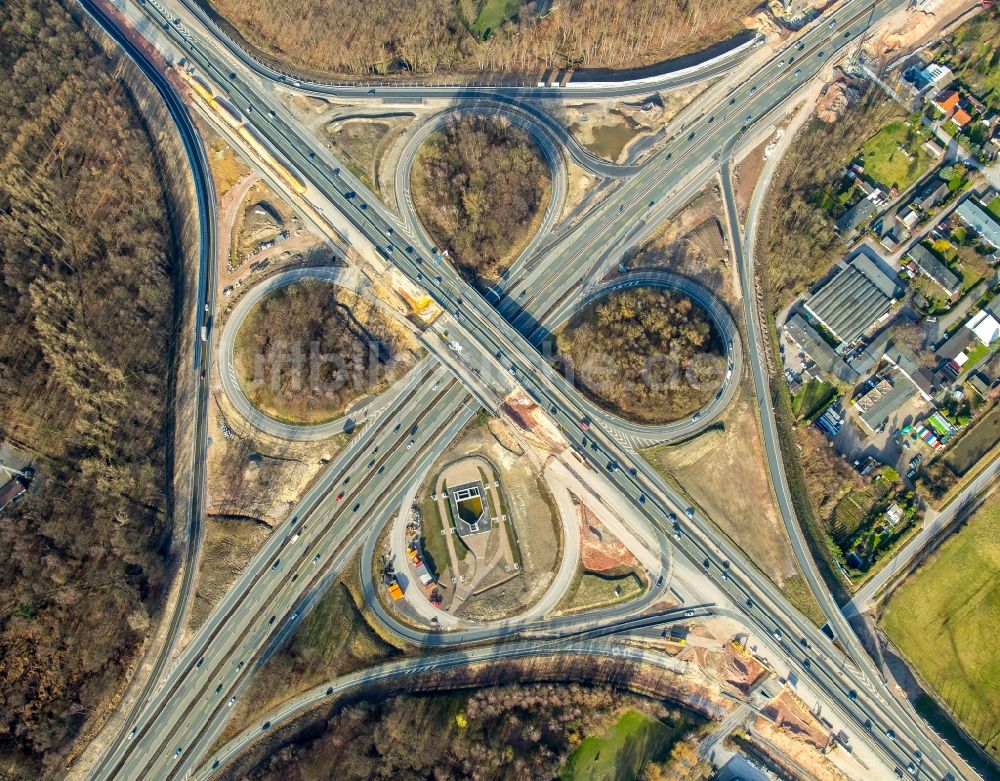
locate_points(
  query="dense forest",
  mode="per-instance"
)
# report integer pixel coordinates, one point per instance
(330, 348)
(477, 185)
(500, 733)
(647, 354)
(86, 311)
(358, 37)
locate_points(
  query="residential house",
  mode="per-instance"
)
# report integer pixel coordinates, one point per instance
(906, 362)
(10, 492)
(934, 269)
(961, 118)
(934, 149)
(908, 218)
(855, 218)
(946, 101)
(993, 307)
(985, 326)
(980, 386)
(931, 194)
(981, 221)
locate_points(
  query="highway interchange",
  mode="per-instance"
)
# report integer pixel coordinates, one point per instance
(171, 730)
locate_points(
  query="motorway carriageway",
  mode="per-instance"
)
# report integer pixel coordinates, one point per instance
(323, 522)
(498, 333)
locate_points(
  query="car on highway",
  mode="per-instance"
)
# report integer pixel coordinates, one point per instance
(672, 516)
(689, 512)
(200, 662)
(218, 689)
(696, 417)
(852, 695)
(232, 702)
(266, 725)
(277, 563)
(132, 733)
(316, 560)
(689, 614)
(642, 498)
(340, 496)
(177, 753)
(798, 72)
(409, 444)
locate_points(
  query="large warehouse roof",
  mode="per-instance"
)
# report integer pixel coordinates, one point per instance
(857, 296)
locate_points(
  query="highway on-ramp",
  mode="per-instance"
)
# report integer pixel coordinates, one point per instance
(185, 708)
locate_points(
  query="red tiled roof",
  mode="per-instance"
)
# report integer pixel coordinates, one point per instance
(961, 118)
(946, 100)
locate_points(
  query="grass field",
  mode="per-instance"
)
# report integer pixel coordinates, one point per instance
(946, 620)
(492, 14)
(620, 753)
(359, 145)
(332, 639)
(227, 547)
(797, 592)
(887, 164)
(588, 591)
(812, 399)
(431, 540)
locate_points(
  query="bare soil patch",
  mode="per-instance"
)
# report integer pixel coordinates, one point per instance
(253, 475)
(723, 471)
(227, 546)
(694, 243)
(600, 550)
